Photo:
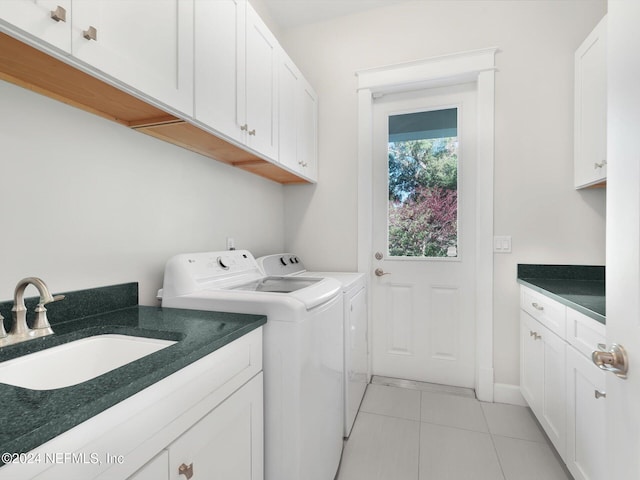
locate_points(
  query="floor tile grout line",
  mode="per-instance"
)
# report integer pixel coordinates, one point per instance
(493, 442)
(391, 416)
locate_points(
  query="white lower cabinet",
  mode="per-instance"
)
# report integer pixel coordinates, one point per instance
(586, 399)
(543, 378)
(156, 469)
(558, 380)
(227, 443)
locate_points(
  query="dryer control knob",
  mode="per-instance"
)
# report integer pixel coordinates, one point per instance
(283, 261)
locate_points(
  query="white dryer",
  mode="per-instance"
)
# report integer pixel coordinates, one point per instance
(356, 349)
(303, 398)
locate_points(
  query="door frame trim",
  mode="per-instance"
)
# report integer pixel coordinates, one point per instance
(477, 66)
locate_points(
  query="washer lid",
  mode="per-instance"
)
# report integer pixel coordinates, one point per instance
(278, 284)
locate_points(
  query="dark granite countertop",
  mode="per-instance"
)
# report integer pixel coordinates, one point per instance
(31, 417)
(579, 287)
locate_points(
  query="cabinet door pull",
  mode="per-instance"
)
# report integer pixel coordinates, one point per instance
(186, 470)
(599, 394)
(244, 127)
(59, 14)
(90, 34)
(252, 132)
(534, 335)
(537, 307)
(599, 165)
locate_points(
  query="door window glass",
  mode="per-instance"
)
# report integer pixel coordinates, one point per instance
(423, 184)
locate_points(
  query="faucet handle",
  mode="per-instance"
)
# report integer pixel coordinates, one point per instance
(41, 323)
(55, 298)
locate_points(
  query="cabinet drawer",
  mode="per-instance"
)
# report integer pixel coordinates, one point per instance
(584, 333)
(548, 312)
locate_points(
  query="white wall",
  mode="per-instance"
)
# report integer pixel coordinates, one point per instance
(534, 199)
(85, 202)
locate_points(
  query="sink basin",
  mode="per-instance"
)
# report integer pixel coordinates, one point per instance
(78, 361)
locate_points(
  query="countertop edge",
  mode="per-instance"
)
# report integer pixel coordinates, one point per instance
(585, 311)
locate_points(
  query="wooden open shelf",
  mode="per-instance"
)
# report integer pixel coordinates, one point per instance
(28, 67)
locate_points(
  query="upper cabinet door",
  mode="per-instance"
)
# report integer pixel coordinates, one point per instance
(219, 66)
(590, 124)
(261, 87)
(47, 20)
(308, 138)
(146, 44)
(297, 120)
(289, 98)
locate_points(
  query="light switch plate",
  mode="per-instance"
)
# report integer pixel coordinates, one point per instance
(502, 244)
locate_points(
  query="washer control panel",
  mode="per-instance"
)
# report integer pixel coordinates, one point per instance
(281, 264)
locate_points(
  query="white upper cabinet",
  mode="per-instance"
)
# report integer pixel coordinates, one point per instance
(235, 80)
(146, 44)
(48, 20)
(289, 79)
(297, 120)
(260, 77)
(590, 123)
(308, 139)
(207, 69)
(219, 32)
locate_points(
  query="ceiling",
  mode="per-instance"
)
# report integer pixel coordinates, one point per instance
(293, 13)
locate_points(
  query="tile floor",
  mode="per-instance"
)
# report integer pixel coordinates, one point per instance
(412, 431)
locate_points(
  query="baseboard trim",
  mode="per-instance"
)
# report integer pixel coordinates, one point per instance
(507, 393)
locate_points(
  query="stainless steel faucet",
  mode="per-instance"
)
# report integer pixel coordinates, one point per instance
(20, 331)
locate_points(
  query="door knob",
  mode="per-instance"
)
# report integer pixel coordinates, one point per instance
(379, 272)
(615, 360)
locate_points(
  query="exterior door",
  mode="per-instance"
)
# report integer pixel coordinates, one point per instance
(622, 442)
(424, 235)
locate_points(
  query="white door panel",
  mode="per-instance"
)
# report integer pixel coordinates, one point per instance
(423, 310)
(622, 442)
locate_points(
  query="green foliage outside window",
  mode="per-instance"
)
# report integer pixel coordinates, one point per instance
(423, 203)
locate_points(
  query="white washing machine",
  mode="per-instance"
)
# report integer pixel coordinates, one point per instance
(303, 352)
(356, 350)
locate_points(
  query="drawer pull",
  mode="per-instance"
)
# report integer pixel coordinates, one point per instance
(599, 394)
(537, 307)
(59, 14)
(186, 470)
(534, 335)
(90, 34)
